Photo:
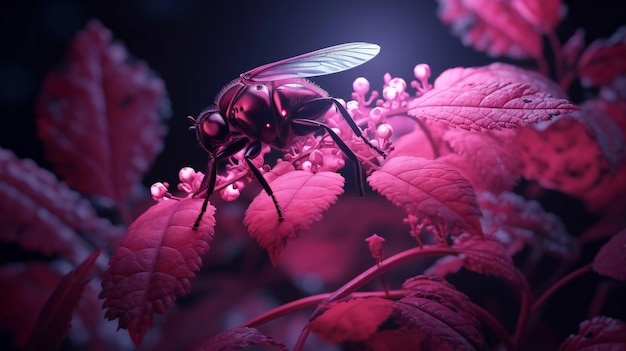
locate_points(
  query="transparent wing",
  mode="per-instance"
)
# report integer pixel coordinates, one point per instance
(317, 63)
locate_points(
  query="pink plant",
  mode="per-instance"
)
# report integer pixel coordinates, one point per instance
(469, 153)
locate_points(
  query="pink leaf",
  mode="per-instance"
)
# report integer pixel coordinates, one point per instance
(25, 290)
(562, 156)
(303, 196)
(490, 161)
(498, 72)
(429, 189)
(439, 312)
(544, 15)
(494, 27)
(513, 220)
(599, 333)
(573, 47)
(99, 116)
(490, 105)
(487, 256)
(237, 338)
(54, 319)
(595, 115)
(610, 261)
(480, 255)
(42, 214)
(154, 262)
(354, 319)
(603, 60)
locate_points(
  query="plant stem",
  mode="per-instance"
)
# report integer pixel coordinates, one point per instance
(525, 310)
(311, 301)
(575, 274)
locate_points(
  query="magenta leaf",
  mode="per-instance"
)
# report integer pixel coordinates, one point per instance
(25, 290)
(237, 338)
(154, 262)
(487, 256)
(429, 189)
(494, 27)
(484, 255)
(303, 196)
(515, 221)
(352, 319)
(440, 313)
(610, 261)
(42, 214)
(598, 333)
(603, 60)
(489, 160)
(595, 115)
(489, 105)
(573, 47)
(99, 116)
(544, 15)
(561, 156)
(54, 320)
(498, 72)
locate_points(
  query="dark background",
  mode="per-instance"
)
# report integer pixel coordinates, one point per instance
(198, 46)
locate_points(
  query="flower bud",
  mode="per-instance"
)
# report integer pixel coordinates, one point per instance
(316, 157)
(230, 193)
(361, 86)
(158, 190)
(187, 174)
(384, 131)
(399, 84)
(307, 166)
(422, 72)
(390, 93)
(376, 115)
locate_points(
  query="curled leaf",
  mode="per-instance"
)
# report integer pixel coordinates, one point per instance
(429, 189)
(610, 260)
(489, 105)
(99, 116)
(603, 60)
(154, 262)
(238, 338)
(302, 196)
(42, 214)
(354, 319)
(598, 333)
(54, 319)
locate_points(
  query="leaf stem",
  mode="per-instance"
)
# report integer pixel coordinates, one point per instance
(494, 324)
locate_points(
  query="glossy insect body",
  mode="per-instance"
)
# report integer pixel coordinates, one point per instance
(273, 104)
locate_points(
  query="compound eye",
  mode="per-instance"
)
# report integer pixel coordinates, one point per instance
(213, 125)
(212, 129)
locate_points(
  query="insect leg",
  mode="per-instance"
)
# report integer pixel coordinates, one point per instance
(346, 116)
(209, 185)
(342, 145)
(208, 182)
(253, 151)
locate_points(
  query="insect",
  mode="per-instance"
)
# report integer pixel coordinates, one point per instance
(273, 104)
